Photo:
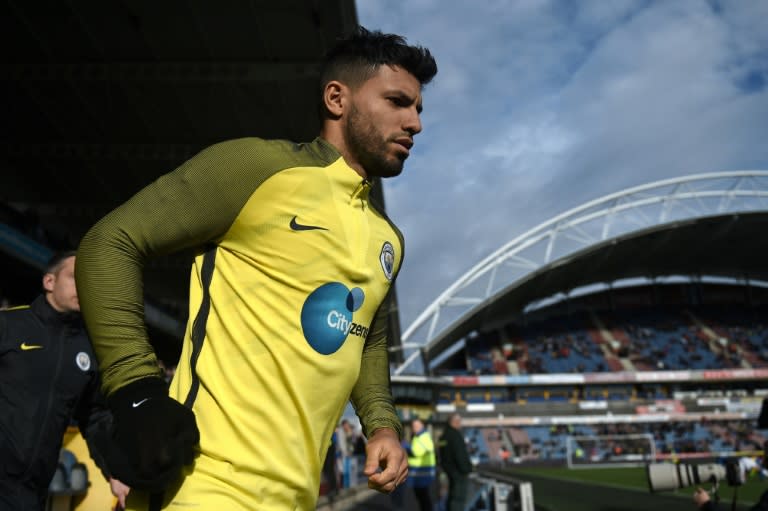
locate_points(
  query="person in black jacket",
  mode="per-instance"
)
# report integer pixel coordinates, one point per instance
(454, 460)
(48, 376)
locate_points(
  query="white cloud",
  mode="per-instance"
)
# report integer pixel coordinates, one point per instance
(540, 106)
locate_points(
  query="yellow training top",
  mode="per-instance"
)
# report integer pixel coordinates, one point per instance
(286, 316)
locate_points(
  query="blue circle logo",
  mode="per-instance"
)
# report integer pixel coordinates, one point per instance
(326, 317)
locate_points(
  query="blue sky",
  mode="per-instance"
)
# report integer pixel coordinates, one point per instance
(540, 106)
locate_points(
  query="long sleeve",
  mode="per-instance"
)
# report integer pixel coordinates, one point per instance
(372, 396)
(189, 207)
(95, 422)
(462, 459)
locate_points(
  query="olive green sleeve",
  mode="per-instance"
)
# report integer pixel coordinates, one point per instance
(371, 395)
(189, 207)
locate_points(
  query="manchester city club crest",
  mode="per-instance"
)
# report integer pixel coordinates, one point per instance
(83, 361)
(387, 258)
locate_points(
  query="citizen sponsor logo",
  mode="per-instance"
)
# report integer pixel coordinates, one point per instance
(338, 321)
(327, 316)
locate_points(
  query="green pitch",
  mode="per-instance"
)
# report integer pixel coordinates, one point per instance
(620, 489)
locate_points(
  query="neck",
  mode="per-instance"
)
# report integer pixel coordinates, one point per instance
(332, 134)
(58, 308)
(53, 304)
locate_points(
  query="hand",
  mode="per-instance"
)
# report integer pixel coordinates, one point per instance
(700, 497)
(386, 463)
(119, 490)
(155, 434)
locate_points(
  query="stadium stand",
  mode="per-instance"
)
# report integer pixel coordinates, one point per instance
(617, 378)
(671, 439)
(647, 339)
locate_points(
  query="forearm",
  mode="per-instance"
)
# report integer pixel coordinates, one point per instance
(98, 448)
(371, 396)
(109, 260)
(96, 425)
(189, 207)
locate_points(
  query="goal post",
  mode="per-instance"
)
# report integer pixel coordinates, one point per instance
(597, 451)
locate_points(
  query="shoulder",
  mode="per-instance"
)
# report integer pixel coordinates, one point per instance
(15, 313)
(13, 317)
(457, 435)
(276, 154)
(244, 163)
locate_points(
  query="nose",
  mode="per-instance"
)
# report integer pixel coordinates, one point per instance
(412, 123)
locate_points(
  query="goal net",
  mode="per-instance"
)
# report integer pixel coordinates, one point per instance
(610, 450)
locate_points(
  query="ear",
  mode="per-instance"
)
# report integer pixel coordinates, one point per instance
(334, 97)
(49, 279)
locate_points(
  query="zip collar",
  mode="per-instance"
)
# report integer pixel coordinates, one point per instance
(362, 190)
(47, 314)
(359, 187)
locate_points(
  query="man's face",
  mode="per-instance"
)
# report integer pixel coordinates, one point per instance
(60, 288)
(382, 120)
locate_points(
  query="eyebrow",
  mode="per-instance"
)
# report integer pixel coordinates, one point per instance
(402, 94)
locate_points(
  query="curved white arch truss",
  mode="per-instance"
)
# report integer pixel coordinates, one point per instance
(608, 217)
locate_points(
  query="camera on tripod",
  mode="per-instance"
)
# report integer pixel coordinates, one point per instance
(668, 476)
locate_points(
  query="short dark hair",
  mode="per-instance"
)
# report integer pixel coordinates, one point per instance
(54, 263)
(356, 58)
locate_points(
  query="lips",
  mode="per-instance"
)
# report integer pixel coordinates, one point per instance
(405, 142)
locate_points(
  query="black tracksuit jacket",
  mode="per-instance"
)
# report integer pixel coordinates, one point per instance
(48, 376)
(454, 458)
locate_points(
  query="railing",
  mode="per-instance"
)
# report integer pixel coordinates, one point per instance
(491, 491)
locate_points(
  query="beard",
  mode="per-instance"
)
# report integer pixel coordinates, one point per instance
(369, 147)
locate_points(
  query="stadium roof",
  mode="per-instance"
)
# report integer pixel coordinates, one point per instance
(703, 225)
(100, 98)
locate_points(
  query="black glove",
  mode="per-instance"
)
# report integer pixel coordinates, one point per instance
(154, 436)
